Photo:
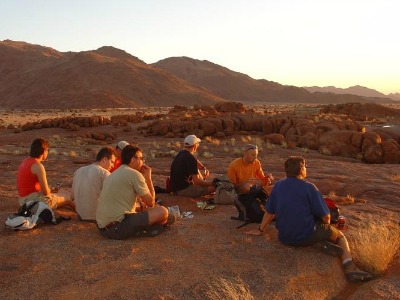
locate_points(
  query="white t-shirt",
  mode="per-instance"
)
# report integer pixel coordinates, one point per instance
(86, 188)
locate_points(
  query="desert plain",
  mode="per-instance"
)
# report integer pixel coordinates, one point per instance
(202, 257)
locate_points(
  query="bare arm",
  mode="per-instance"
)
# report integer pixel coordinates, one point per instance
(198, 180)
(150, 198)
(263, 226)
(38, 169)
(326, 219)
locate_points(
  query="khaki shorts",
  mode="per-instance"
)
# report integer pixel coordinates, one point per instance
(51, 200)
(193, 191)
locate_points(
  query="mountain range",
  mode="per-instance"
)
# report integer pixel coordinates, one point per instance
(38, 77)
(353, 90)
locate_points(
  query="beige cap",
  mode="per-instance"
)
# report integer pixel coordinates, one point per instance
(122, 144)
(190, 140)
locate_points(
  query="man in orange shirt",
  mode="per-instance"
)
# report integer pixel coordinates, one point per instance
(246, 171)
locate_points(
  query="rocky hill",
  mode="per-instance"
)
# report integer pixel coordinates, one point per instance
(353, 90)
(240, 87)
(33, 76)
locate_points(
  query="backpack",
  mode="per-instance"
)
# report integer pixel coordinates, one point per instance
(31, 214)
(333, 210)
(225, 192)
(251, 206)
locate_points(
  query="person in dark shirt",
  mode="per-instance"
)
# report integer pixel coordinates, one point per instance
(303, 218)
(186, 178)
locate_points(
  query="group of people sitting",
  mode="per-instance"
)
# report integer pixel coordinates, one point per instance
(117, 193)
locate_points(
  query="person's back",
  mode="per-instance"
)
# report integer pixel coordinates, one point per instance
(88, 182)
(27, 182)
(86, 186)
(296, 219)
(297, 204)
(182, 167)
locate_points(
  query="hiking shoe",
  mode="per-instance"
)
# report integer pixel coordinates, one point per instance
(354, 274)
(329, 248)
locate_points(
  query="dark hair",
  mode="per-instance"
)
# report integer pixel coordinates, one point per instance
(106, 152)
(293, 165)
(128, 153)
(38, 147)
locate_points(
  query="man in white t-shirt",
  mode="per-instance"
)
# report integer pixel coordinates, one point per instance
(88, 182)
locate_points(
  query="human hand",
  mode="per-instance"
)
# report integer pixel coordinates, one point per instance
(269, 178)
(206, 173)
(254, 232)
(146, 171)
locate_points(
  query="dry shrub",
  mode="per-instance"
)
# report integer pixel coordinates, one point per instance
(376, 244)
(213, 141)
(226, 289)
(395, 177)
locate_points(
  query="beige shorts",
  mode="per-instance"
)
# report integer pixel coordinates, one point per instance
(51, 200)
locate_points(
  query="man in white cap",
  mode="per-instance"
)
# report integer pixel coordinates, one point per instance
(118, 149)
(186, 179)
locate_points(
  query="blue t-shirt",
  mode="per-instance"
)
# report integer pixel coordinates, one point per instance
(296, 203)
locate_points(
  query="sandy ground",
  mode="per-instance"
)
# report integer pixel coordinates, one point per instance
(197, 256)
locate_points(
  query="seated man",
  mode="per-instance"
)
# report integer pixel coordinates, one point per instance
(186, 179)
(118, 148)
(116, 213)
(246, 171)
(32, 180)
(297, 204)
(88, 182)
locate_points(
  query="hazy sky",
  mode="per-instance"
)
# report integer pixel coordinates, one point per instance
(294, 42)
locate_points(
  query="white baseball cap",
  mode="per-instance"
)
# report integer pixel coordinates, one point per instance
(190, 140)
(122, 144)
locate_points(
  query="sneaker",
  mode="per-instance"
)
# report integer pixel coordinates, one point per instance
(329, 248)
(354, 274)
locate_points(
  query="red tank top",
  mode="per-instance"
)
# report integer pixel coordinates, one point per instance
(27, 182)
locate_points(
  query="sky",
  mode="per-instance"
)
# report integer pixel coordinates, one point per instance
(338, 43)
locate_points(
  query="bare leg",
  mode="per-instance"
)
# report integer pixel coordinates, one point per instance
(157, 215)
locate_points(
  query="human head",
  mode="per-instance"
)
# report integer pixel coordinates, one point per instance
(191, 141)
(132, 152)
(38, 147)
(295, 166)
(250, 153)
(106, 157)
(119, 147)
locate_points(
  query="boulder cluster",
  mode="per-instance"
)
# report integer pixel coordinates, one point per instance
(326, 133)
(70, 123)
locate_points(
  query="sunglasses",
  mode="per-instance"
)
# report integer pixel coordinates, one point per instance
(250, 147)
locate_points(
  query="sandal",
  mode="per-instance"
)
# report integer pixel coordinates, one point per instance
(354, 274)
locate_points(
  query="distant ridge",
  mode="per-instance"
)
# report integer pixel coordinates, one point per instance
(34, 76)
(240, 87)
(353, 90)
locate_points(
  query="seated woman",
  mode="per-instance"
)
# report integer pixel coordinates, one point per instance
(32, 181)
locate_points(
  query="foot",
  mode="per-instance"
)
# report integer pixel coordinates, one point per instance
(354, 274)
